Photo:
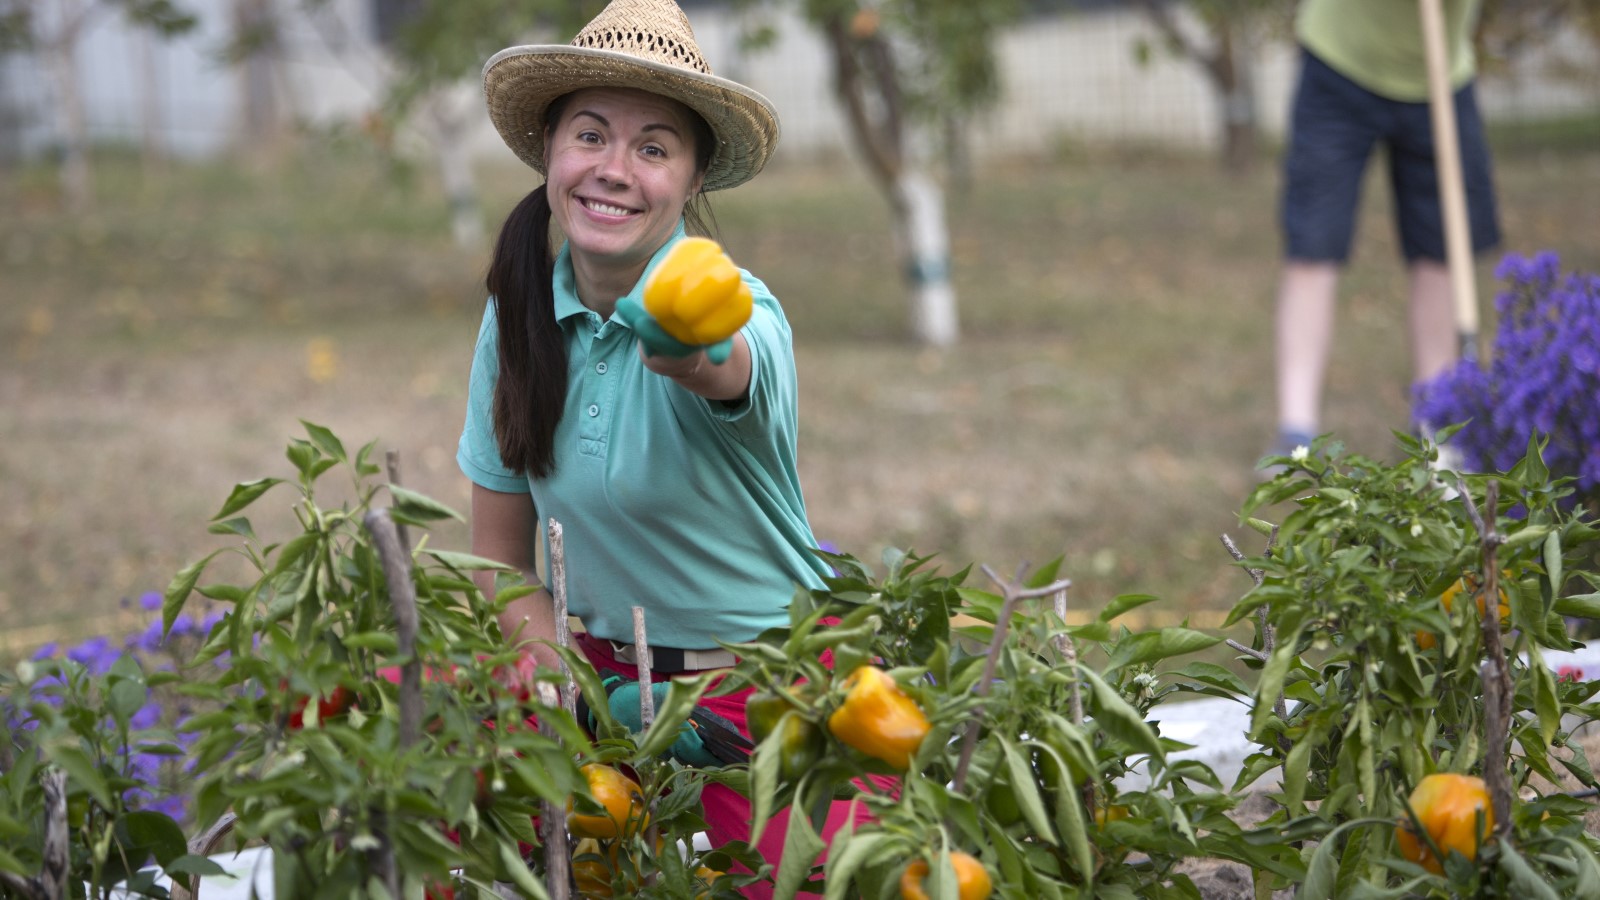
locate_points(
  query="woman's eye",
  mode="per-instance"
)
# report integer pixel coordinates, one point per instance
(589, 137)
(653, 150)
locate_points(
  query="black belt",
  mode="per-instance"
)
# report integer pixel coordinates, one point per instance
(671, 659)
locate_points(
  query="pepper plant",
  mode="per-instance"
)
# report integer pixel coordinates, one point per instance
(77, 810)
(1370, 679)
(1042, 767)
(307, 745)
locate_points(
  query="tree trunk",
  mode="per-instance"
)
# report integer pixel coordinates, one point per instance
(258, 100)
(1227, 68)
(925, 239)
(447, 131)
(152, 141)
(1236, 90)
(896, 153)
(77, 175)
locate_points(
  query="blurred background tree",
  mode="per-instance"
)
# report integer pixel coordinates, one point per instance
(55, 32)
(907, 74)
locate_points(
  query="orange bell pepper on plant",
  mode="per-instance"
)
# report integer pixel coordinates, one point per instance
(1448, 808)
(697, 294)
(878, 718)
(1469, 583)
(972, 879)
(620, 797)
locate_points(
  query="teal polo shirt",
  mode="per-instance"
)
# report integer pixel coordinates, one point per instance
(687, 507)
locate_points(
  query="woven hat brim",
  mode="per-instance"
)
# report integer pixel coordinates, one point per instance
(519, 84)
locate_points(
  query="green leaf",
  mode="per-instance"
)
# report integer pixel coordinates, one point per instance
(1582, 606)
(1531, 534)
(1149, 646)
(188, 864)
(764, 769)
(1216, 676)
(1025, 787)
(1586, 885)
(1118, 719)
(155, 832)
(244, 494)
(800, 848)
(325, 440)
(842, 865)
(380, 642)
(518, 870)
(1546, 699)
(9, 863)
(178, 591)
(80, 769)
(466, 560)
(1122, 603)
(238, 525)
(127, 696)
(1523, 880)
(1270, 684)
(419, 508)
(681, 697)
(228, 593)
(1322, 871)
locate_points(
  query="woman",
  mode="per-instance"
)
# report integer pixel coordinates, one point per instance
(673, 477)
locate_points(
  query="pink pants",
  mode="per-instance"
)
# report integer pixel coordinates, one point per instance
(727, 813)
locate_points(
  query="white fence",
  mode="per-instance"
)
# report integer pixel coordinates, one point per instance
(1069, 78)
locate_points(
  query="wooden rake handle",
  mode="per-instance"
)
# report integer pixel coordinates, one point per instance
(1452, 191)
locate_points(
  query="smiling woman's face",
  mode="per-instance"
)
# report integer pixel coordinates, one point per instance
(620, 167)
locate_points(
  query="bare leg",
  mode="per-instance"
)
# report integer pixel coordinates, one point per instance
(1306, 298)
(1433, 327)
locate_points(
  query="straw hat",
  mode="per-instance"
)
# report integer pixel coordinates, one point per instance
(644, 44)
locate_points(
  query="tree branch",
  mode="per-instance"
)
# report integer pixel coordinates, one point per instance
(882, 154)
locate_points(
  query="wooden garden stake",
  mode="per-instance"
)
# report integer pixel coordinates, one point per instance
(391, 460)
(1269, 642)
(51, 882)
(396, 561)
(1497, 688)
(1012, 594)
(1069, 655)
(558, 591)
(641, 655)
(553, 818)
(403, 597)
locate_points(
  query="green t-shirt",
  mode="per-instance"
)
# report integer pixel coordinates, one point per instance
(685, 506)
(1378, 43)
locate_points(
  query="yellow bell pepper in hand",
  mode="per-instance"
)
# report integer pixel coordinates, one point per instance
(696, 293)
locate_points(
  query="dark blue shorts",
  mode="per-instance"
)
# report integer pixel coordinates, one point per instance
(1334, 126)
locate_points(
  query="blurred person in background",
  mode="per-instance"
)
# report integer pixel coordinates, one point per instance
(1364, 82)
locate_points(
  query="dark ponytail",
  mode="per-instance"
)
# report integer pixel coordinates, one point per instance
(532, 388)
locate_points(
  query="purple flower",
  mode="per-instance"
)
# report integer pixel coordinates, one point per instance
(149, 600)
(96, 654)
(1543, 380)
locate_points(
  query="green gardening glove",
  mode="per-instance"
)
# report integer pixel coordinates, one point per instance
(705, 740)
(657, 342)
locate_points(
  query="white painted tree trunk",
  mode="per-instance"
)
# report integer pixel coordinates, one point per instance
(925, 238)
(447, 131)
(77, 177)
(151, 124)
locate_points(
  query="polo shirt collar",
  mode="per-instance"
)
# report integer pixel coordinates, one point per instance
(565, 287)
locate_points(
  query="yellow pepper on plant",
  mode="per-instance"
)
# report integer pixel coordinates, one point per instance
(972, 879)
(1455, 813)
(1427, 640)
(878, 718)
